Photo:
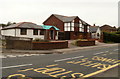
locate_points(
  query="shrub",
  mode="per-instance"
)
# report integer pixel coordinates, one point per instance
(111, 37)
(118, 32)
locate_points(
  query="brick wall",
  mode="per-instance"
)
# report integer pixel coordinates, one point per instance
(50, 45)
(27, 44)
(18, 44)
(86, 43)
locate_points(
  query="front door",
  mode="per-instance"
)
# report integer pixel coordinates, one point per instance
(67, 35)
(51, 34)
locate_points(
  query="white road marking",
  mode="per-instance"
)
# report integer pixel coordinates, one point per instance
(11, 56)
(34, 54)
(2, 56)
(22, 55)
(106, 51)
(15, 66)
(68, 59)
(115, 50)
(98, 53)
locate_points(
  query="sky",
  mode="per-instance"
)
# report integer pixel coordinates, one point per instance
(97, 12)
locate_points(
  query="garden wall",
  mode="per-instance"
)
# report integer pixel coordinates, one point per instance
(86, 43)
(18, 43)
(50, 45)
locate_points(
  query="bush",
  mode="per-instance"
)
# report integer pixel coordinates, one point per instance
(118, 32)
(111, 37)
(40, 40)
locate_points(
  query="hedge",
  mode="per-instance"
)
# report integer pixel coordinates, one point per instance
(111, 37)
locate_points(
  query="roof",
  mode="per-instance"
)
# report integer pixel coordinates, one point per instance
(65, 18)
(69, 18)
(93, 29)
(28, 25)
(108, 26)
(48, 27)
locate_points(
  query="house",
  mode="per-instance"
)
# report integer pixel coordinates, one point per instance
(29, 30)
(108, 28)
(71, 27)
(0, 29)
(95, 32)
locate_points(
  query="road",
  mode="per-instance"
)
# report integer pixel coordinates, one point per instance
(82, 63)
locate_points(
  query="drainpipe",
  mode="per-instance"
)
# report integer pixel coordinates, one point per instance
(15, 32)
(45, 34)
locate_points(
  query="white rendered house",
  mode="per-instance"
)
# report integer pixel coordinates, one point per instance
(95, 32)
(29, 30)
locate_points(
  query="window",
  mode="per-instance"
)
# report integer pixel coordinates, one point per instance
(72, 26)
(72, 23)
(65, 24)
(67, 27)
(42, 32)
(98, 34)
(23, 31)
(35, 32)
(80, 27)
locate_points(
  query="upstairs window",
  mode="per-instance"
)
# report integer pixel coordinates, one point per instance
(23, 31)
(67, 27)
(35, 32)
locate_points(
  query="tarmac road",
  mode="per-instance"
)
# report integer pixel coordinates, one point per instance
(81, 63)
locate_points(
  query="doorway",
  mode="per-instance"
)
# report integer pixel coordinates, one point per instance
(51, 34)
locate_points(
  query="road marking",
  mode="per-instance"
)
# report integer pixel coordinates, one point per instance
(1, 56)
(115, 50)
(11, 56)
(110, 53)
(68, 59)
(106, 51)
(52, 65)
(22, 55)
(104, 54)
(100, 71)
(25, 70)
(15, 66)
(98, 53)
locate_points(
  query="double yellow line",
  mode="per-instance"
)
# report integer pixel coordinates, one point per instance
(100, 71)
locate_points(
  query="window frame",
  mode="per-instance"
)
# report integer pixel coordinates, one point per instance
(23, 31)
(35, 31)
(42, 32)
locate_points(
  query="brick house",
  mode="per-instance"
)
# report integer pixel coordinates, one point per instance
(108, 28)
(71, 27)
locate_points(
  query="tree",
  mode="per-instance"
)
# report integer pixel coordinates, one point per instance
(118, 29)
(8, 24)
